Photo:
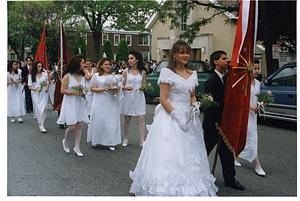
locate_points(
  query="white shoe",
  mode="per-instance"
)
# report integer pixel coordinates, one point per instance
(125, 143)
(141, 146)
(236, 163)
(77, 153)
(112, 148)
(20, 120)
(64, 147)
(260, 172)
(34, 117)
(42, 129)
(12, 120)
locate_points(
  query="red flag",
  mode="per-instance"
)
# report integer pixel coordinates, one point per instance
(41, 54)
(237, 93)
(63, 59)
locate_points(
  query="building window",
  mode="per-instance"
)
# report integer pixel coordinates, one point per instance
(128, 39)
(143, 40)
(116, 39)
(183, 23)
(104, 38)
(145, 56)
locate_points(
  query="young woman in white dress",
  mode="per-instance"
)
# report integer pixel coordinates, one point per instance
(134, 103)
(173, 161)
(39, 95)
(104, 127)
(22, 95)
(250, 151)
(89, 72)
(50, 72)
(15, 104)
(73, 110)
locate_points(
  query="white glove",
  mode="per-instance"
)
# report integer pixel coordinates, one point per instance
(181, 123)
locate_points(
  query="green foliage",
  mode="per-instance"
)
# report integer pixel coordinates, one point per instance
(107, 48)
(123, 50)
(80, 42)
(26, 20)
(174, 10)
(126, 15)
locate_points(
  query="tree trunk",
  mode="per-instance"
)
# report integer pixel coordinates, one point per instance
(97, 38)
(272, 64)
(269, 37)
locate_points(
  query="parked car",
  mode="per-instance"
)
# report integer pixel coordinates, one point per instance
(282, 83)
(195, 65)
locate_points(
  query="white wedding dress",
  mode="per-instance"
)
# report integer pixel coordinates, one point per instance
(250, 151)
(174, 162)
(39, 99)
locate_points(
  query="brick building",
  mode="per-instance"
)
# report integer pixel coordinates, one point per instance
(136, 40)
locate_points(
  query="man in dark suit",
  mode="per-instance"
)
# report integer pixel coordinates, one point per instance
(25, 71)
(215, 85)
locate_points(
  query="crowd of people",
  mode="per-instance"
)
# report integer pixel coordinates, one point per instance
(174, 156)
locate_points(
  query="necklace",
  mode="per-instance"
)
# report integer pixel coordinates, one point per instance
(181, 74)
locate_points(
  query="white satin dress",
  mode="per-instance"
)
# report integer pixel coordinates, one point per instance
(174, 162)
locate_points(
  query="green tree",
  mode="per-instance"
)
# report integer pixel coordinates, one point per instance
(127, 15)
(107, 48)
(123, 50)
(277, 21)
(26, 20)
(80, 42)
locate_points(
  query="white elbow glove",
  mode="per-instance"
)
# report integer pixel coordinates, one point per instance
(181, 123)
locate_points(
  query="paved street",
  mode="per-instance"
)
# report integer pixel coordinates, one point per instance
(37, 164)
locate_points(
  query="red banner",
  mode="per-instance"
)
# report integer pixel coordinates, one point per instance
(63, 59)
(41, 54)
(237, 93)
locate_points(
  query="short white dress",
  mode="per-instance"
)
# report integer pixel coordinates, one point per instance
(73, 107)
(250, 151)
(89, 95)
(174, 162)
(51, 89)
(105, 126)
(133, 103)
(15, 103)
(39, 99)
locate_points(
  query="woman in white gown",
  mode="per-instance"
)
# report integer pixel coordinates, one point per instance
(15, 104)
(39, 93)
(250, 151)
(134, 103)
(51, 83)
(89, 72)
(104, 127)
(73, 110)
(173, 161)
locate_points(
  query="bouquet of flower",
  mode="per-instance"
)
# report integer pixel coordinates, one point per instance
(113, 81)
(207, 101)
(265, 97)
(12, 80)
(80, 89)
(43, 84)
(147, 87)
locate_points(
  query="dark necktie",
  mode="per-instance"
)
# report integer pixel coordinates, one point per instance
(224, 80)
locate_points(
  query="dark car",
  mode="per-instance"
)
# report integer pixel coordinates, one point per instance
(195, 65)
(282, 83)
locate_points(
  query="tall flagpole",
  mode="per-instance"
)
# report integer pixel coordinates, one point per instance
(61, 52)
